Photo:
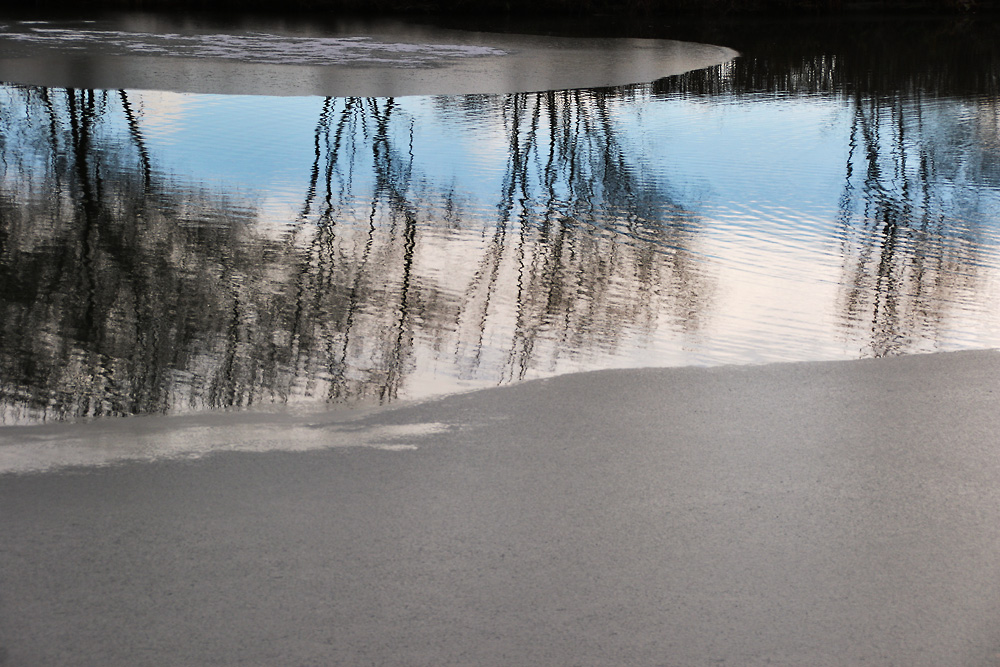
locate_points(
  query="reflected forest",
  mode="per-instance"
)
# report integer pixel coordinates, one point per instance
(127, 288)
(918, 215)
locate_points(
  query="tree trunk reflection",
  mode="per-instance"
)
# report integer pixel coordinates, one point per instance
(126, 288)
(916, 162)
(151, 294)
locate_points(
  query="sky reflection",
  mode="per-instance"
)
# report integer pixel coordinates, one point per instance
(179, 252)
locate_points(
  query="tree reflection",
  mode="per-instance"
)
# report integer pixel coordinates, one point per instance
(907, 258)
(122, 293)
(588, 242)
(351, 328)
(127, 289)
(910, 214)
(150, 294)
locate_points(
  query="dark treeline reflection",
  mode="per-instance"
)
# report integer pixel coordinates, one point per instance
(922, 158)
(127, 291)
(935, 56)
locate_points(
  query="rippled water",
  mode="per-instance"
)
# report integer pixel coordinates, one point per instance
(814, 199)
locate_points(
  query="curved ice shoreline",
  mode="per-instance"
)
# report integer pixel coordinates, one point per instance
(380, 60)
(807, 514)
(945, 383)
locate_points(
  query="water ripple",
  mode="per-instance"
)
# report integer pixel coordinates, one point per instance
(177, 253)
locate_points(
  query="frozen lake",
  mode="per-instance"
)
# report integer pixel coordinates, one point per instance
(215, 303)
(362, 58)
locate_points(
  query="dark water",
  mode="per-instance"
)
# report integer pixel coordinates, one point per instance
(834, 193)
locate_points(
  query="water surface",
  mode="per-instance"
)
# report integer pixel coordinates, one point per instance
(817, 198)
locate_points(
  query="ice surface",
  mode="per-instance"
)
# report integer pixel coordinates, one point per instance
(254, 48)
(379, 59)
(33, 449)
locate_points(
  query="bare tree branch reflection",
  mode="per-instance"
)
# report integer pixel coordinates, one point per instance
(126, 289)
(587, 241)
(910, 211)
(907, 259)
(157, 295)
